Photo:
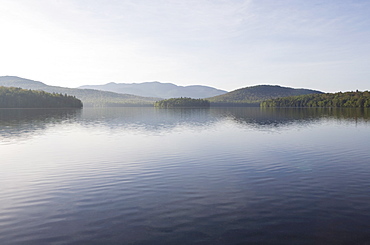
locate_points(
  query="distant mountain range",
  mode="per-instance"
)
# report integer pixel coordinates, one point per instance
(89, 97)
(157, 89)
(249, 96)
(256, 94)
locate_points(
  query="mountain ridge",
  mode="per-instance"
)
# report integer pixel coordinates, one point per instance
(247, 96)
(158, 89)
(89, 97)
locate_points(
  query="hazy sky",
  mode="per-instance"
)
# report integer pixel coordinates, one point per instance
(227, 44)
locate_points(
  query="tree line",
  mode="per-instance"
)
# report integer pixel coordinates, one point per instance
(12, 97)
(182, 102)
(346, 100)
(250, 96)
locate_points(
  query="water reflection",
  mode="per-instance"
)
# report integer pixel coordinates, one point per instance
(150, 119)
(23, 123)
(250, 116)
(279, 117)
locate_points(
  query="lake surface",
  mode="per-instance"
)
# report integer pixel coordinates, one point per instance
(185, 176)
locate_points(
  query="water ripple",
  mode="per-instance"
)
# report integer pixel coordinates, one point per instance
(217, 180)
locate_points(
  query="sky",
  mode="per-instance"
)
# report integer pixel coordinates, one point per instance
(226, 44)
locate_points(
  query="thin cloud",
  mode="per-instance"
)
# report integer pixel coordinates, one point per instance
(226, 44)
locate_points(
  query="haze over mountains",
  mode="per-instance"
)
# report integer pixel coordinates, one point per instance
(251, 96)
(89, 97)
(160, 90)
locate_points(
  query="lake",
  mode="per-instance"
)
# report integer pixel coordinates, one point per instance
(185, 176)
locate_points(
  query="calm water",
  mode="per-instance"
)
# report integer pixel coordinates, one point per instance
(185, 176)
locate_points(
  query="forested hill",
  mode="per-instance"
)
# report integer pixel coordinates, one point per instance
(257, 94)
(347, 99)
(11, 97)
(89, 97)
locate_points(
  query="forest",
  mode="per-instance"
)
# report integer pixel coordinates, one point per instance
(341, 99)
(182, 103)
(252, 96)
(12, 97)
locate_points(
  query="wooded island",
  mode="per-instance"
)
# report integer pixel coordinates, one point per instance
(182, 103)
